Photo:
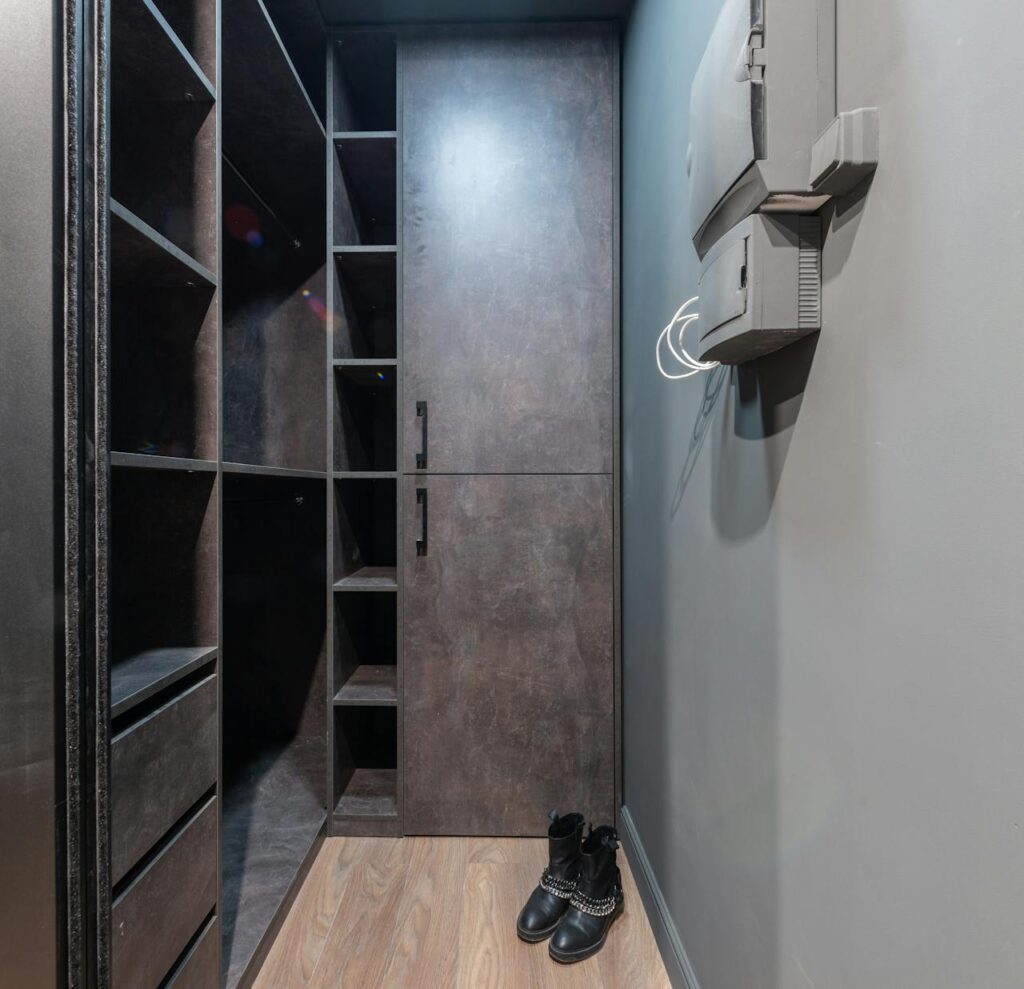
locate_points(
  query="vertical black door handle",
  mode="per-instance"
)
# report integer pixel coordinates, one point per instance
(421, 457)
(421, 543)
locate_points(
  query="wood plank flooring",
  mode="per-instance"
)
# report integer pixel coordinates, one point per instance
(406, 913)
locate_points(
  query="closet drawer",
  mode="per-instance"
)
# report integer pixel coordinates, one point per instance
(158, 769)
(200, 969)
(157, 916)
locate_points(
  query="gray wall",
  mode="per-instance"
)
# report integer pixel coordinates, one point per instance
(824, 577)
(29, 487)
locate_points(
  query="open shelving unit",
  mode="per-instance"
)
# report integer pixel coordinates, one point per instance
(275, 476)
(253, 464)
(163, 455)
(363, 443)
(163, 126)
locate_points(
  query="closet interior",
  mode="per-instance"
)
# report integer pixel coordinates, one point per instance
(257, 479)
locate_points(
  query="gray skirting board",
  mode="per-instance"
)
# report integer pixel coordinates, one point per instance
(677, 963)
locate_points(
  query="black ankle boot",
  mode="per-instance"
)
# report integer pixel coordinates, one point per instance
(596, 902)
(550, 899)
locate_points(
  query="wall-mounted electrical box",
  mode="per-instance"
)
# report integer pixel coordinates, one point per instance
(760, 288)
(763, 93)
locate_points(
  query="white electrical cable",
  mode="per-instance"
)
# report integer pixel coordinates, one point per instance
(694, 366)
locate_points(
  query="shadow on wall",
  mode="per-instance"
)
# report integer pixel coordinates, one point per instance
(763, 403)
(714, 382)
(749, 448)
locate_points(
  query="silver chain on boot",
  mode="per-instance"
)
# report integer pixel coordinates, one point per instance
(562, 888)
(596, 908)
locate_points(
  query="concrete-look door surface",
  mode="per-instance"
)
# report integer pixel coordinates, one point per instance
(509, 145)
(507, 652)
(509, 148)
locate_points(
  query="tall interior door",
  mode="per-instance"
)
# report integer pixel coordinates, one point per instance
(509, 148)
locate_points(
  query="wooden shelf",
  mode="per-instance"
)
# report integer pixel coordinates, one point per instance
(370, 794)
(264, 471)
(139, 677)
(145, 461)
(270, 130)
(141, 253)
(370, 579)
(369, 686)
(344, 250)
(340, 136)
(149, 59)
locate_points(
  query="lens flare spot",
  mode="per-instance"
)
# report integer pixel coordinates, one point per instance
(243, 224)
(316, 304)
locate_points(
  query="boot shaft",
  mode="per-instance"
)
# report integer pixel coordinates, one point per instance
(598, 866)
(565, 836)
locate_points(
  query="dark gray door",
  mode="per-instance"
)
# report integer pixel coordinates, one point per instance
(32, 610)
(508, 152)
(508, 652)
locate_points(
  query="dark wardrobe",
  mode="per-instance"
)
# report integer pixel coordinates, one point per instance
(356, 409)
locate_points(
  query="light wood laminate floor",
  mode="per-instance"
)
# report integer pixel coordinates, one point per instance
(437, 912)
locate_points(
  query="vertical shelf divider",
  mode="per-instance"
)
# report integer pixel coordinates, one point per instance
(329, 400)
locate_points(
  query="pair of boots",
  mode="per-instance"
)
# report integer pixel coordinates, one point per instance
(580, 892)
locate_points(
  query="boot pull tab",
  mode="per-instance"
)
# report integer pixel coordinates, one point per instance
(552, 816)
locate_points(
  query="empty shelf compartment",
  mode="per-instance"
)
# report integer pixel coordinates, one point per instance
(150, 58)
(163, 131)
(365, 82)
(141, 255)
(273, 338)
(365, 191)
(365, 648)
(369, 793)
(163, 571)
(365, 417)
(163, 340)
(365, 759)
(271, 132)
(365, 302)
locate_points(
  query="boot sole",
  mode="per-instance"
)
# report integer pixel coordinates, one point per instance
(578, 956)
(533, 937)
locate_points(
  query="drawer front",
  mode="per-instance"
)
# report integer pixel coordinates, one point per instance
(200, 969)
(157, 916)
(159, 768)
